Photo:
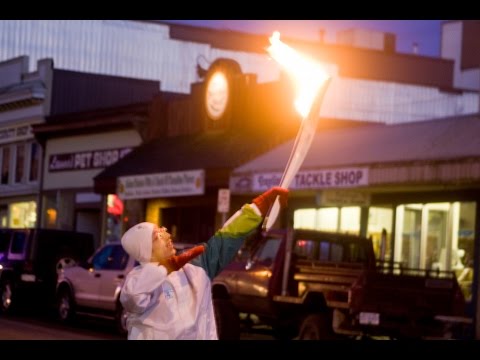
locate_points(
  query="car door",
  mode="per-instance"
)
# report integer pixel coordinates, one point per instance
(112, 275)
(87, 279)
(253, 281)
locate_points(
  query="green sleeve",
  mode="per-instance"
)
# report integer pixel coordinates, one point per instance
(222, 247)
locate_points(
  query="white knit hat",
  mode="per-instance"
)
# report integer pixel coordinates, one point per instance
(137, 242)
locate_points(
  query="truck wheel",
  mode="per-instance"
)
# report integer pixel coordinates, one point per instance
(316, 327)
(6, 294)
(227, 320)
(121, 319)
(65, 306)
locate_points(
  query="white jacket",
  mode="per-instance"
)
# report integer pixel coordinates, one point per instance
(174, 306)
(179, 305)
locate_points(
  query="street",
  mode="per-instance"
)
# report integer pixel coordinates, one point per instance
(34, 326)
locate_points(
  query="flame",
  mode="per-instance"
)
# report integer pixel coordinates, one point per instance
(308, 75)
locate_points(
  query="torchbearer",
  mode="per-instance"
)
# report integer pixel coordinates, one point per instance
(312, 82)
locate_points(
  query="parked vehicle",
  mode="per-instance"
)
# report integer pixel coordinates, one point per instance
(28, 262)
(318, 285)
(93, 287)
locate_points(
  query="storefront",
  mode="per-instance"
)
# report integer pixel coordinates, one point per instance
(413, 188)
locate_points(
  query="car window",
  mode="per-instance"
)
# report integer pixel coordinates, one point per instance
(111, 257)
(357, 253)
(304, 249)
(18, 243)
(4, 241)
(269, 250)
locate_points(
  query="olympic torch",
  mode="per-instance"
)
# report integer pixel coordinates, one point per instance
(312, 82)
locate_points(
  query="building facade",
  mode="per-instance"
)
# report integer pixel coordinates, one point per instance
(95, 120)
(24, 101)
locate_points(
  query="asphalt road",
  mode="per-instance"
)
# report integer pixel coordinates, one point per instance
(41, 326)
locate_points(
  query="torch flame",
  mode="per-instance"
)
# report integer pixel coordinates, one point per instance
(309, 76)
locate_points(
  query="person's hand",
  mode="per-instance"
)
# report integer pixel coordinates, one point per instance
(265, 200)
(177, 262)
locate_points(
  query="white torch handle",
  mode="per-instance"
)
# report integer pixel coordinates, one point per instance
(302, 144)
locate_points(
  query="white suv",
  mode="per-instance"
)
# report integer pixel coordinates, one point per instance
(93, 287)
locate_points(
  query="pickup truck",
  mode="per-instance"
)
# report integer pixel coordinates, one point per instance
(317, 285)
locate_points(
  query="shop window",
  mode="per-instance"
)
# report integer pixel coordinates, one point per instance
(407, 250)
(350, 220)
(331, 219)
(327, 219)
(380, 221)
(50, 216)
(23, 214)
(304, 219)
(20, 163)
(438, 236)
(465, 245)
(5, 162)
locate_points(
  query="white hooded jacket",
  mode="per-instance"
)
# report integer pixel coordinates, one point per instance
(179, 305)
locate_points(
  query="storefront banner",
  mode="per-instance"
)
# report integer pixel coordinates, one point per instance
(312, 179)
(178, 183)
(86, 160)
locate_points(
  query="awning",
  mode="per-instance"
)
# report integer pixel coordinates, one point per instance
(215, 152)
(442, 150)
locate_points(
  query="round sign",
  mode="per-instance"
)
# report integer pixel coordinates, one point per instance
(216, 98)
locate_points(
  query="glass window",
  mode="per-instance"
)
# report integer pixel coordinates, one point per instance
(380, 224)
(20, 163)
(100, 259)
(34, 162)
(23, 214)
(356, 253)
(408, 247)
(304, 219)
(269, 250)
(304, 249)
(350, 220)
(327, 219)
(4, 240)
(465, 231)
(110, 258)
(324, 251)
(18, 242)
(5, 165)
(336, 254)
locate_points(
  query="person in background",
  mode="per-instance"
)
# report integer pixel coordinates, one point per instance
(169, 296)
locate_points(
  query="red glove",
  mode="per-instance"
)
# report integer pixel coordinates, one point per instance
(176, 262)
(265, 201)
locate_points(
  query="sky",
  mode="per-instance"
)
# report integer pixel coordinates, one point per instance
(425, 33)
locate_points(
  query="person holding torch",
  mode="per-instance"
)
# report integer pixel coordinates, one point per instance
(169, 297)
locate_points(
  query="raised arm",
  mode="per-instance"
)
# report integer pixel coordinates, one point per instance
(222, 247)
